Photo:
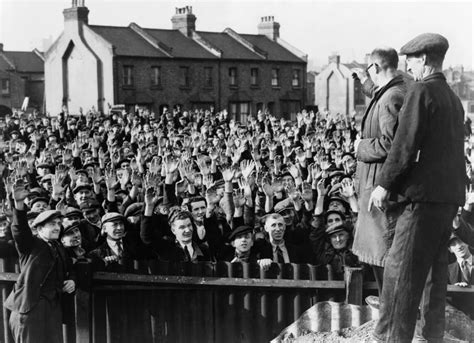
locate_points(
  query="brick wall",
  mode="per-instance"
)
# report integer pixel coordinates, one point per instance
(172, 93)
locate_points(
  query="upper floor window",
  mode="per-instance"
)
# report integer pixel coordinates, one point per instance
(156, 76)
(128, 75)
(5, 86)
(184, 76)
(296, 79)
(233, 76)
(275, 77)
(208, 76)
(254, 76)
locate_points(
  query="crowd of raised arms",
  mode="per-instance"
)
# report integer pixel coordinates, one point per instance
(189, 186)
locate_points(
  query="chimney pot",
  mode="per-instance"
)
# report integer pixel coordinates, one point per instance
(269, 27)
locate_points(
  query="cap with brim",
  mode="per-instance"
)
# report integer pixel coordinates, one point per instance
(241, 230)
(81, 187)
(453, 237)
(82, 171)
(134, 210)
(72, 212)
(47, 177)
(46, 216)
(89, 205)
(337, 227)
(112, 217)
(36, 190)
(327, 213)
(36, 199)
(90, 164)
(426, 43)
(69, 229)
(44, 165)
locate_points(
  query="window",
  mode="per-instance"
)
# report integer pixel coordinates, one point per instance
(254, 77)
(296, 79)
(156, 76)
(233, 76)
(208, 76)
(471, 108)
(128, 75)
(184, 76)
(275, 77)
(5, 86)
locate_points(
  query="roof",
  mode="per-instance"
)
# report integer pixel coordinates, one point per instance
(355, 64)
(127, 42)
(25, 61)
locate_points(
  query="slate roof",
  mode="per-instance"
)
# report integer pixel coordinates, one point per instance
(126, 41)
(129, 43)
(25, 61)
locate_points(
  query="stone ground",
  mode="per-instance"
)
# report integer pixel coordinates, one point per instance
(361, 334)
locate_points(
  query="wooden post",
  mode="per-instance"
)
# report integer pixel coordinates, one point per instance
(83, 302)
(354, 285)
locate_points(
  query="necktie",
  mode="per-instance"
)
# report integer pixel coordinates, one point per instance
(280, 258)
(466, 273)
(119, 248)
(186, 252)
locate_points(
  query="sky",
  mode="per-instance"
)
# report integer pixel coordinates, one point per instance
(319, 28)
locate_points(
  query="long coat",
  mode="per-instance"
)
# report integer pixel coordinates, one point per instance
(36, 263)
(374, 229)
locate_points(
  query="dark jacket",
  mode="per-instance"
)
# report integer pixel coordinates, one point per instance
(426, 160)
(36, 263)
(295, 253)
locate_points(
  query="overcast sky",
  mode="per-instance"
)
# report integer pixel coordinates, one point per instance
(319, 28)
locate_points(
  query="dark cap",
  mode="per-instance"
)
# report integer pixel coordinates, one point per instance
(31, 215)
(454, 237)
(337, 227)
(89, 205)
(327, 213)
(426, 43)
(36, 199)
(47, 177)
(69, 229)
(134, 209)
(71, 212)
(80, 187)
(241, 230)
(46, 216)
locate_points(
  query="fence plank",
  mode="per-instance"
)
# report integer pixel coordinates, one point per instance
(354, 285)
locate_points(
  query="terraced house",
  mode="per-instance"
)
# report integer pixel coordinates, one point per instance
(157, 68)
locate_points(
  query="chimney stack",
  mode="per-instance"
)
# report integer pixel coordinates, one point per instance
(77, 13)
(269, 27)
(335, 58)
(184, 20)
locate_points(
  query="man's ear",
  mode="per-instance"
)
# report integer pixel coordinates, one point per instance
(233, 244)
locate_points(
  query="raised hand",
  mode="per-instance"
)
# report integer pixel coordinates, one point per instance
(239, 198)
(347, 188)
(267, 187)
(228, 174)
(294, 171)
(247, 167)
(19, 191)
(110, 178)
(307, 193)
(212, 197)
(322, 189)
(171, 165)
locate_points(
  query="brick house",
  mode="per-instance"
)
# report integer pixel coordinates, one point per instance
(158, 68)
(21, 75)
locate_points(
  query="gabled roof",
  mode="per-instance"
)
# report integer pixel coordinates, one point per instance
(182, 46)
(128, 42)
(25, 61)
(275, 52)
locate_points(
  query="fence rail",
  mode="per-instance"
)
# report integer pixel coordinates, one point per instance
(182, 302)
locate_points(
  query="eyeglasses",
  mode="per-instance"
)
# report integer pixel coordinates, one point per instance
(370, 66)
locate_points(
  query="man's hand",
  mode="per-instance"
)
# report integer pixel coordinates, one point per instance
(378, 198)
(462, 284)
(69, 286)
(361, 74)
(265, 263)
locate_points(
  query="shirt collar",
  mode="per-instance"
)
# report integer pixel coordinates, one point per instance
(281, 245)
(469, 261)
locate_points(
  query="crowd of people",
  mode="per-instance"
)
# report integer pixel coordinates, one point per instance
(191, 186)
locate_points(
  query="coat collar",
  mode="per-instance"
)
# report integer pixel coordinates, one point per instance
(434, 76)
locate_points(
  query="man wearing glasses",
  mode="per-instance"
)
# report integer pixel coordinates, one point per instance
(425, 165)
(387, 88)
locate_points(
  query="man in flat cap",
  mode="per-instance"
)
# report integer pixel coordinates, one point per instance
(46, 274)
(425, 171)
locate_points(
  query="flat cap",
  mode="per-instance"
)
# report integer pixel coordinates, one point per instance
(112, 217)
(241, 230)
(36, 199)
(134, 209)
(72, 212)
(89, 205)
(425, 43)
(337, 227)
(81, 187)
(31, 215)
(69, 229)
(47, 177)
(46, 216)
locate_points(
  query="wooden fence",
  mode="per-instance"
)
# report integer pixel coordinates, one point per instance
(186, 302)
